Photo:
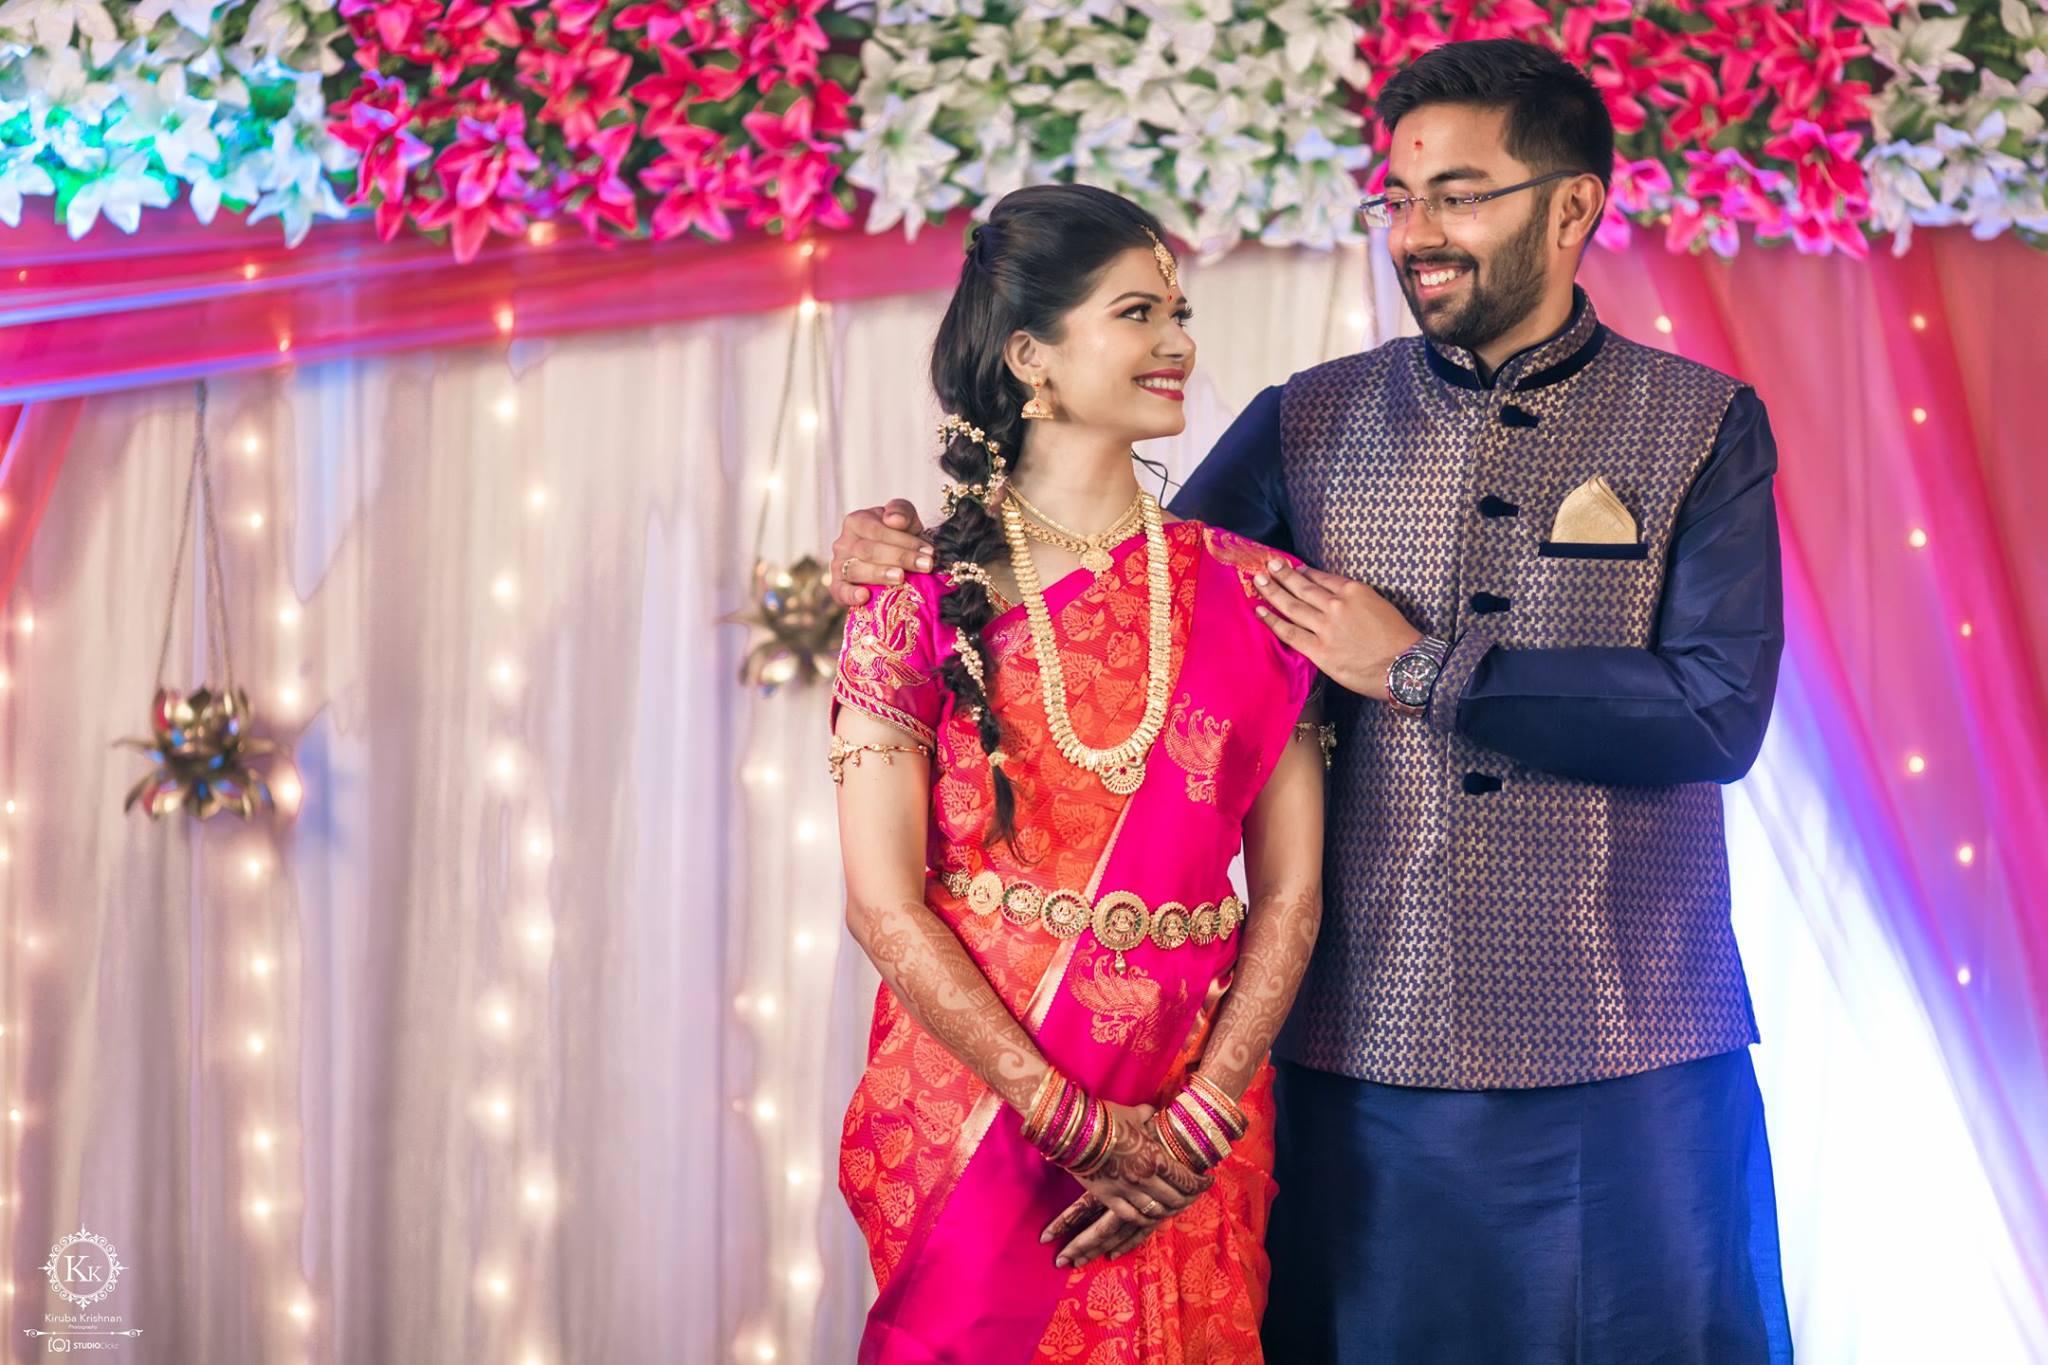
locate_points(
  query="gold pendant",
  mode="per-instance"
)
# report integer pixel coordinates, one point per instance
(1095, 560)
(1125, 778)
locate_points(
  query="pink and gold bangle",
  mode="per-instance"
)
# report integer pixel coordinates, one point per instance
(1080, 1145)
(1066, 1121)
(1043, 1104)
(1180, 1151)
(1095, 1151)
(1072, 1132)
(1208, 1143)
(1201, 1123)
(1225, 1108)
(1068, 1126)
(1199, 1112)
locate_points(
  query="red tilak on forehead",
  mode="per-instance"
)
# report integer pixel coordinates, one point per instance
(1418, 144)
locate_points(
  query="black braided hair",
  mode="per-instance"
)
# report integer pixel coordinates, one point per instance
(1037, 258)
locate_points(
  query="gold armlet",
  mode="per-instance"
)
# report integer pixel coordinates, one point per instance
(844, 753)
(1324, 734)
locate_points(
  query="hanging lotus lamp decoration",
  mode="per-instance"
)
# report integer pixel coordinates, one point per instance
(200, 746)
(203, 756)
(802, 622)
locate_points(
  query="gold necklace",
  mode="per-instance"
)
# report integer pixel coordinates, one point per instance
(1122, 767)
(1093, 551)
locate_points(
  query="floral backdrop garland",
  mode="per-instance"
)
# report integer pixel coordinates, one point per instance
(111, 108)
(1822, 123)
(1225, 119)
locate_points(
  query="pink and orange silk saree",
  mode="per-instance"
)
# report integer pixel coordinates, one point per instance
(949, 1196)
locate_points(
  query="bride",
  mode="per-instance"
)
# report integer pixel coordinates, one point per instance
(1050, 746)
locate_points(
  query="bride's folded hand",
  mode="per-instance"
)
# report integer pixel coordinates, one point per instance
(1137, 1188)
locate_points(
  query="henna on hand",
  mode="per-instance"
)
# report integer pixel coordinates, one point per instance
(1279, 936)
(931, 972)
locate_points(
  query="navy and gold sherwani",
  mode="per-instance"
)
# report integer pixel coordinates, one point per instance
(1518, 1118)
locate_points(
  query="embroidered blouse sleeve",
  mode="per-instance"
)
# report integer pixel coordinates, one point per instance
(889, 663)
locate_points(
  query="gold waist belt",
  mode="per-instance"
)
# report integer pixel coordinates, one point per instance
(1121, 920)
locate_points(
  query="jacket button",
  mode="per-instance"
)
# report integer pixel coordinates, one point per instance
(1512, 416)
(1491, 506)
(1479, 784)
(1486, 604)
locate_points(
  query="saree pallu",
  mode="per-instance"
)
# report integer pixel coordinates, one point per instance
(947, 1193)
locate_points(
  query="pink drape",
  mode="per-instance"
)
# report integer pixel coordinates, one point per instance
(183, 300)
(1911, 412)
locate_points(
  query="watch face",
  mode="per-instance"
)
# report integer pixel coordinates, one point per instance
(1411, 679)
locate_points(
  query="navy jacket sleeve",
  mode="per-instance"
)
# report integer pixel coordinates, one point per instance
(1240, 486)
(1693, 706)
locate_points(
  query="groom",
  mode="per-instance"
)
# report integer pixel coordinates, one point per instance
(1517, 1116)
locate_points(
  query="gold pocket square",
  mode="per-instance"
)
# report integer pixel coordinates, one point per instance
(1592, 515)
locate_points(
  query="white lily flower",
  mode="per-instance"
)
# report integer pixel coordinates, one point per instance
(53, 22)
(1215, 160)
(208, 187)
(1077, 11)
(1318, 33)
(1004, 51)
(1996, 94)
(57, 79)
(2034, 85)
(1920, 48)
(19, 176)
(119, 194)
(2028, 23)
(903, 163)
(162, 114)
(995, 174)
(195, 16)
(1184, 30)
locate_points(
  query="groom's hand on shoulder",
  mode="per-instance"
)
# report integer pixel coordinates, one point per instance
(1342, 627)
(876, 546)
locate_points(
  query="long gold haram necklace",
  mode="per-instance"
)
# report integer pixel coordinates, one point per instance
(1092, 551)
(1122, 768)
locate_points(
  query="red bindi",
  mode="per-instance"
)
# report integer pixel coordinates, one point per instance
(1418, 144)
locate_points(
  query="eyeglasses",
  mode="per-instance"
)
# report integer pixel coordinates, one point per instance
(1394, 210)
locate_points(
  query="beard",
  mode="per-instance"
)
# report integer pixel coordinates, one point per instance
(1502, 293)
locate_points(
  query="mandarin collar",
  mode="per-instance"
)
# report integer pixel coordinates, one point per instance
(1558, 357)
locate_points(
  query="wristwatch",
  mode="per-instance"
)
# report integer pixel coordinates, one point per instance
(1412, 676)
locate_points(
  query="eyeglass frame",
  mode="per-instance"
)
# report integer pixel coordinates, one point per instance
(1469, 202)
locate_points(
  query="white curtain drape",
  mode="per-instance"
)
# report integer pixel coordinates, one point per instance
(527, 1041)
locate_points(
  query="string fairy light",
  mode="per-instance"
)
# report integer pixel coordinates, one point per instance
(264, 995)
(789, 982)
(511, 1100)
